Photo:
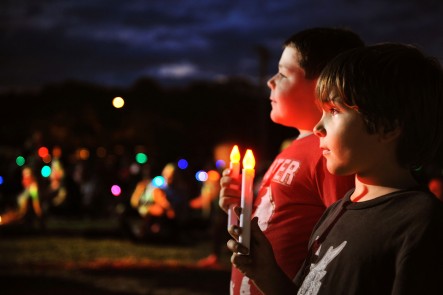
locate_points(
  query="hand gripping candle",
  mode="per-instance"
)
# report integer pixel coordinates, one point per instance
(234, 165)
(247, 197)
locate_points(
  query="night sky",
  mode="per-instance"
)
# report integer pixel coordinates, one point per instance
(110, 42)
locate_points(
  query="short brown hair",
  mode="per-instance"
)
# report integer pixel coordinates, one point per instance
(317, 46)
(393, 85)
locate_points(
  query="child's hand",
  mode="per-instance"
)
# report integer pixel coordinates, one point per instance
(260, 262)
(229, 191)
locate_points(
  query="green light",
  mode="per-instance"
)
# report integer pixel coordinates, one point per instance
(141, 158)
(46, 171)
(20, 161)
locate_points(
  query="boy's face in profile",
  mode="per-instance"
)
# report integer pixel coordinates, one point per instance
(346, 144)
(292, 95)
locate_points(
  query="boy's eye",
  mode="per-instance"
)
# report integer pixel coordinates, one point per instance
(281, 75)
(333, 111)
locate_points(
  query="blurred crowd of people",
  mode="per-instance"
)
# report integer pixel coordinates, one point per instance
(152, 206)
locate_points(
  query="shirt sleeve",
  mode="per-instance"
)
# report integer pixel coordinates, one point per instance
(420, 262)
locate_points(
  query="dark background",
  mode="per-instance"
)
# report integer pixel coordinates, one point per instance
(192, 73)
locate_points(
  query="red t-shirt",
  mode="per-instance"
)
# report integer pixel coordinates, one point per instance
(294, 193)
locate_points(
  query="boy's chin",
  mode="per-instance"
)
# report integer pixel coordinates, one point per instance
(274, 117)
(279, 120)
(337, 170)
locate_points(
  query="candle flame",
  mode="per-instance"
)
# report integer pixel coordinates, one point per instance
(249, 160)
(235, 155)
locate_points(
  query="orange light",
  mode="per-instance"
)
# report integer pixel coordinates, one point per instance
(213, 175)
(249, 160)
(235, 155)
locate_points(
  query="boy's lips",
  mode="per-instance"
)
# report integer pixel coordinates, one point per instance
(325, 151)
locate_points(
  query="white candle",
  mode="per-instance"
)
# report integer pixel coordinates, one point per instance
(234, 166)
(247, 197)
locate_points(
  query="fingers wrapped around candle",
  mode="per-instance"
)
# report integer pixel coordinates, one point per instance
(227, 181)
(255, 261)
(230, 192)
(238, 258)
(234, 231)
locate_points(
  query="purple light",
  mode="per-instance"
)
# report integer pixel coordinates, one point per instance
(220, 164)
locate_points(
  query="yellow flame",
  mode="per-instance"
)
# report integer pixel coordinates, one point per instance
(235, 155)
(249, 160)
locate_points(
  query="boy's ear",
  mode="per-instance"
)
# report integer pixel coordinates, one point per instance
(390, 135)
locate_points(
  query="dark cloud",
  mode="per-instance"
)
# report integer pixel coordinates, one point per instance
(116, 42)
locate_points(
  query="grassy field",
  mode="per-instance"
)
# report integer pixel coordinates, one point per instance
(94, 257)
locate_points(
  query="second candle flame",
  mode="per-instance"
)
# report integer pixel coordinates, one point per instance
(249, 160)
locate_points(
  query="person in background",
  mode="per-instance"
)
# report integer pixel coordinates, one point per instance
(297, 188)
(382, 109)
(57, 193)
(150, 214)
(29, 209)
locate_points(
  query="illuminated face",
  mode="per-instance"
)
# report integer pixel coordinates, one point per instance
(292, 95)
(345, 142)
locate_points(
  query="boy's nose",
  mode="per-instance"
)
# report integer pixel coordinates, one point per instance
(271, 82)
(319, 130)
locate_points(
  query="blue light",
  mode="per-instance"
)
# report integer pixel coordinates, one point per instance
(182, 164)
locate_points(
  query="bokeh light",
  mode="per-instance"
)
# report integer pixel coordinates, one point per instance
(134, 168)
(116, 190)
(182, 164)
(1, 180)
(201, 176)
(83, 154)
(159, 181)
(141, 158)
(45, 171)
(43, 152)
(220, 164)
(20, 161)
(118, 102)
(213, 175)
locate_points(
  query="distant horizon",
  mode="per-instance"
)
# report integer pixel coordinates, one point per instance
(163, 83)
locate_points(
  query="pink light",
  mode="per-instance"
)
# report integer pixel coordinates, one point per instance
(116, 190)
